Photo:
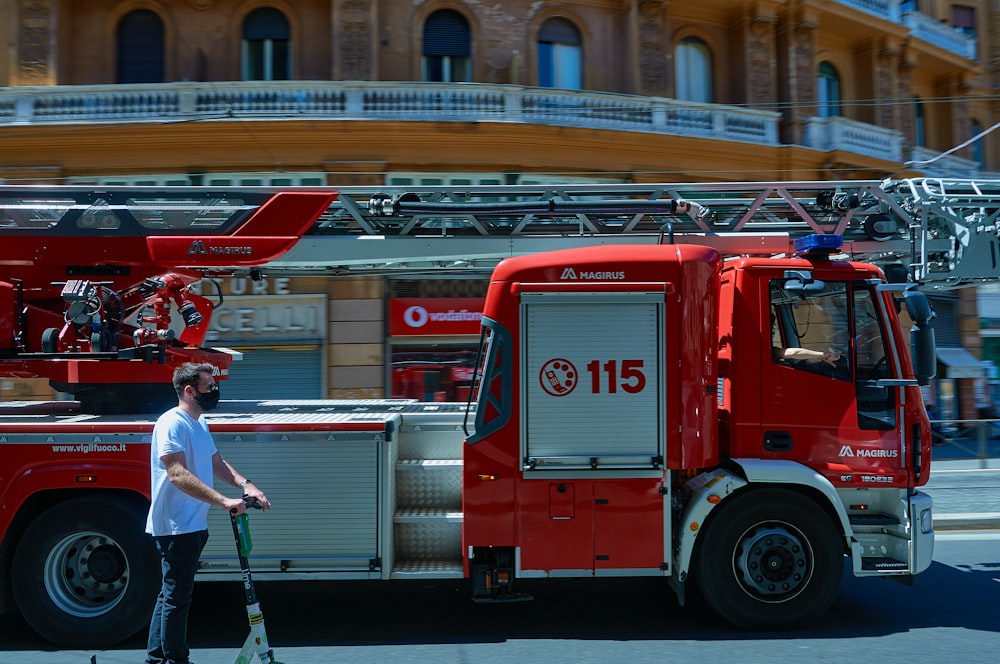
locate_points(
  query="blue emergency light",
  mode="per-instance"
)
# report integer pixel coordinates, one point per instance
(819, 245)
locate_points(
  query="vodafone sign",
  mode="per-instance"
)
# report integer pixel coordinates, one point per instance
(435, 316)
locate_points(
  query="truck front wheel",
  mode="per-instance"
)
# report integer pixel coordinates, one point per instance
(85, 574)
(770, 560)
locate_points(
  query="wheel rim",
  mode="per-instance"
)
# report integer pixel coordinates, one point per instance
(86, 574)
(773, 562)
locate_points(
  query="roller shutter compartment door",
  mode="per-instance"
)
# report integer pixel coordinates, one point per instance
(593, 367)
(276, 373)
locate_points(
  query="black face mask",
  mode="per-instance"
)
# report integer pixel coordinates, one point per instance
(208, 400)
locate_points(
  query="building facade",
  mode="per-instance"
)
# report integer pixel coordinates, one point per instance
(346, 92)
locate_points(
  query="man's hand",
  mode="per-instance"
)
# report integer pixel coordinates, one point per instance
(234, 505)
(254, 492)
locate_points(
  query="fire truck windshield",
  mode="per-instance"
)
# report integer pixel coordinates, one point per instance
(835, 328)
(810, 327)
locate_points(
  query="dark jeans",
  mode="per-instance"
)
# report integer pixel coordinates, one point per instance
(179, 556)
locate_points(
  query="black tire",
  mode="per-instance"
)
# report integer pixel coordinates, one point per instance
(85, 575)
(100, 342)
(771, 559)
(50, 339)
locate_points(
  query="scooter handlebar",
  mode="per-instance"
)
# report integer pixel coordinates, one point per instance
(250, 502)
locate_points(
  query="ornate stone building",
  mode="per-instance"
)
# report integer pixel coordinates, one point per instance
(343, 92)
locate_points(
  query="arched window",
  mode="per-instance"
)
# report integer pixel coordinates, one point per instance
(266, 53)
(447, 48)
(828, 90)
(693, 62)
(919, 125)
(559, 55)
(978, 153)
(140, 48)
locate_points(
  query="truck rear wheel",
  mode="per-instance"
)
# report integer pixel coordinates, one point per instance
(85, 574)
(770, 560)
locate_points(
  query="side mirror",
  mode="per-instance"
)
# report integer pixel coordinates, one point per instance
(922, 342)
(918, 308)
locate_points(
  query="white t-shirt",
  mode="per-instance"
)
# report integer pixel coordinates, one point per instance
(172, 511)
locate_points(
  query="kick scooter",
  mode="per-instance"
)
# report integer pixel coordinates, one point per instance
(256, 645)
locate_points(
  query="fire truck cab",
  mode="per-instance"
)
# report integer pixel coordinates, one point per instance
(637, 416)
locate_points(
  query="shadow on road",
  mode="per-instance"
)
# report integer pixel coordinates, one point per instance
(362, 613)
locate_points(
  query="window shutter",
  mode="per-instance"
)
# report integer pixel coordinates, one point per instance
(266, 23)
(559, 31)
(446, 32)
(140, 48)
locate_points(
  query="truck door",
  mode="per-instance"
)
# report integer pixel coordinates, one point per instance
(592, 452)
(820, 400)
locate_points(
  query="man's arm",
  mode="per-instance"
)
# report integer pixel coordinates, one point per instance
(225, 472)
(188, 482)
(806, 354)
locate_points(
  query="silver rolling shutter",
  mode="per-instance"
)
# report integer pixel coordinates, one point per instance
(593, 394)
(276, 373)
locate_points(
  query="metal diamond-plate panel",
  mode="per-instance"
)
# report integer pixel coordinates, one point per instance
(431, 436)
(434, 569)
(429, 484)
(428, 539)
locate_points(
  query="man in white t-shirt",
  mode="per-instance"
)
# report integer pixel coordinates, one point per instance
(183, 461)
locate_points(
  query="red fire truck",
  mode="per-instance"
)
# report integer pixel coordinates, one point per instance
(732, 411)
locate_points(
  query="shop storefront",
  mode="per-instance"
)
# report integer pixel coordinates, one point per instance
(432, 346)
(279, 332)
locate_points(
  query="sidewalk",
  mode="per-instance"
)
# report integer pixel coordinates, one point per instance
(966, 448)
(952, 500)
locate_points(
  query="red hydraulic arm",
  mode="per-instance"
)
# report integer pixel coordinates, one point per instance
(90, 280)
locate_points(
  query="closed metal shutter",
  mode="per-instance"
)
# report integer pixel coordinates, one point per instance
(276, 373)
(946, 322)
(592, 367)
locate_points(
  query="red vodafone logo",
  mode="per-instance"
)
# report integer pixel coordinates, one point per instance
(558, 377)
(435, 316)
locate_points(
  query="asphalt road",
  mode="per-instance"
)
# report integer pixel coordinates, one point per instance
(953, 614)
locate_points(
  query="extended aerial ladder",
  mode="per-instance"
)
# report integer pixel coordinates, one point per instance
(90, 277)
(940, 233)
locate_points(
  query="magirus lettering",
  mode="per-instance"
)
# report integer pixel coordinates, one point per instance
(571, 274)
(231, 250)
(848, 451)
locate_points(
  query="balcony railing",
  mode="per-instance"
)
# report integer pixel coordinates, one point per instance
(839, 133)
(945, 167)
(461, 102)
(887, 9)
(920, 25)
(944, 36)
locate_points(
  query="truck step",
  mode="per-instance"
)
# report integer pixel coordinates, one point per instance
(878, 564)
(873, 520)
(429, 464)
(432, 569)
(423, 514)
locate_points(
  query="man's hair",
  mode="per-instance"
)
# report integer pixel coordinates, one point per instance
(189, 373)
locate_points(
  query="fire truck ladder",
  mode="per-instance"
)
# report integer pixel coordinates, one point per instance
(942, 233)
(921, 227)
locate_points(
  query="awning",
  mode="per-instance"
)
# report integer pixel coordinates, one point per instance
(959, 363)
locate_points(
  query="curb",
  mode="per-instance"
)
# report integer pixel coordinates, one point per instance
(967, 521)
